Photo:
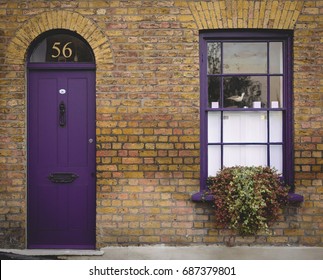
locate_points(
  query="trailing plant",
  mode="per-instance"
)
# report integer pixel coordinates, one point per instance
(247, 199)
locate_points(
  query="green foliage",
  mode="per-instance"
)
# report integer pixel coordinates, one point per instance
(247, 199)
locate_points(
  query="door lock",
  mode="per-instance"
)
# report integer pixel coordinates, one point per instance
(91, 140)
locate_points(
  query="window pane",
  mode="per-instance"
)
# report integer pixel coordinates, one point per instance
(214, 91)
(214, 58)
(243, 127)
(214, 159)
(245, 92)
(244, 155)
(276, 126)
(214, 127)
(245, 57)
(276, 58)
(276, 157)
(62, 48)
(276, 92)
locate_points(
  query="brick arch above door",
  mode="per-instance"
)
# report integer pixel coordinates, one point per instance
(46, 21)
(279, 14)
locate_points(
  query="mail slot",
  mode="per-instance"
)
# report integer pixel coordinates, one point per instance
(62, 178)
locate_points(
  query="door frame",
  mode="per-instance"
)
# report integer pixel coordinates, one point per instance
(54, 67)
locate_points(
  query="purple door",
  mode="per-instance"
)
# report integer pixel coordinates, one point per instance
(61, 159)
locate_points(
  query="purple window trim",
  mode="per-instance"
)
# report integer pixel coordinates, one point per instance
(287, 110)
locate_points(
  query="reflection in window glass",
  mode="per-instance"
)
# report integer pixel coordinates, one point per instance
(245, 92)
(214, 91)
(213, 58)
(275, 58)
(257, 92)
(276, 92)
(244, 58)
(235, 91)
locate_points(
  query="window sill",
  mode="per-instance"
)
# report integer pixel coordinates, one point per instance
(293, 198)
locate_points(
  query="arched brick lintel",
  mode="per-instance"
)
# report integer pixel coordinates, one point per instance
(46, 21)
(227, 14)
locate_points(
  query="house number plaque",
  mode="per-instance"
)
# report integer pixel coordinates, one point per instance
(59, 49)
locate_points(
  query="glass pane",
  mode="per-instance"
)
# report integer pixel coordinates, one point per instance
(244, 127)
(62, 48)
(214, 127)
(244, 155)
(214, 91)
(214, 159)
(276, 92)
(276, 157)
(245, 92)
(214, 58)
(276, 58)
(276, 126)
(245, 57)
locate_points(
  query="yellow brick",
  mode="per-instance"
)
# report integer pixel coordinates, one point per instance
(133, 146)
(195, 14)
(212, 239)
(165, 146)
(149, 239)
(311, 11)
(168, 189)
(106, 210)
(293, 232)
(133, 218)
(148, 153)
(132, 203)
(189, 139)
(150, 224)
(133, 174)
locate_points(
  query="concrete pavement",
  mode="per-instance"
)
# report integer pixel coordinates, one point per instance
(176, 253)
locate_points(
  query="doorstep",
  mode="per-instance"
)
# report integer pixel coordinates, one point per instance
(52, 252)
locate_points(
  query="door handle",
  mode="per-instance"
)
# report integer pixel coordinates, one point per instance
(62, 114)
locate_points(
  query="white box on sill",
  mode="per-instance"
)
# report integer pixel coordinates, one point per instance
(274, 104)
(256, 104)
(215, 105)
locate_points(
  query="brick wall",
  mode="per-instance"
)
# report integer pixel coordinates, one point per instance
(309, 121)
(148, 114)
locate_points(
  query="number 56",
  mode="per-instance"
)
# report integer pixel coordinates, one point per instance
(66, 51)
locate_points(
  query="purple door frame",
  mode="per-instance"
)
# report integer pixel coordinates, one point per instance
(61, 195)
